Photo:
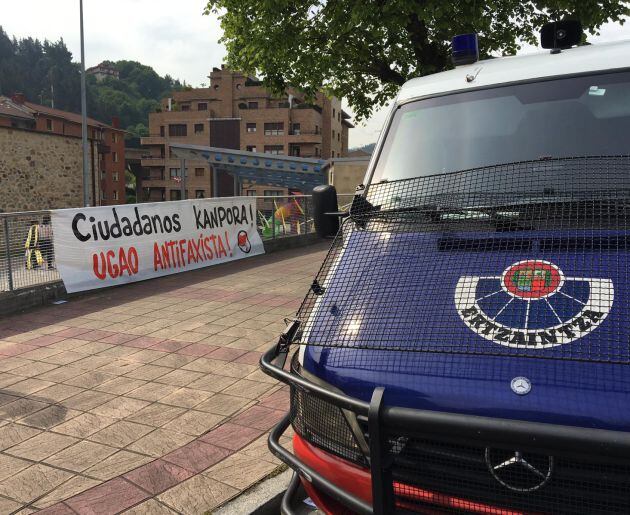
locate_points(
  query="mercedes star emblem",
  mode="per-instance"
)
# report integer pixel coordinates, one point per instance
(518, 471)
(521, 385)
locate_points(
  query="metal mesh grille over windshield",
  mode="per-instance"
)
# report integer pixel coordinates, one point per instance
(527, 259)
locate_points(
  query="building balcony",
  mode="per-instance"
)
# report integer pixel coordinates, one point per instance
(178, 116)
(153, 140)
(307, 105)
(150, 161)
(299, 132)
(305, 137)
(158, 182)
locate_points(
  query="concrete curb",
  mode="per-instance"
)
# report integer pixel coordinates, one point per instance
(259, 498)
(25, 298)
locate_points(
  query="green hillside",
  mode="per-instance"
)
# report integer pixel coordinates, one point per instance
(45, 73)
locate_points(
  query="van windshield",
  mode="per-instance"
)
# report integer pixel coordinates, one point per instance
(578, 116)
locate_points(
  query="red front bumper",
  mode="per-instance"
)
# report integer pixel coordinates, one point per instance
(357, 481)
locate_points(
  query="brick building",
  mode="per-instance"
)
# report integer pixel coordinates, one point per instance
(237, 112)
(106, 143)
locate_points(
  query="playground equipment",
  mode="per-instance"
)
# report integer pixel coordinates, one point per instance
(285, 219)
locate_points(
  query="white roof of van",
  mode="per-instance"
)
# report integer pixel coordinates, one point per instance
(587, 58)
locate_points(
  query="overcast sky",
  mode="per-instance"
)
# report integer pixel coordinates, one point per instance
(171, 36)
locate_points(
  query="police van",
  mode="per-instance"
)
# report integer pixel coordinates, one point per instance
(465, 347)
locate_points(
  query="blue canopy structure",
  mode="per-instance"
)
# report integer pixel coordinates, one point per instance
(295, 173)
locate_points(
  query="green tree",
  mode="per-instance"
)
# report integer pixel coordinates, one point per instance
(364, 50)
(131, 184)
(45, 73)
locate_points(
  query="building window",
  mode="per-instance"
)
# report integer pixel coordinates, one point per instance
(339, 117)
(200, 194)
(239, 86)
(199, 172)
(178, 129)
(295, 129)
(103, 195)
(338, 136)
(333, 133)
(202, 106)
(272, 193)
(175, 172)
(251, 127)
(176, 194)
(115, 193)
(317, 129)
(185, 107)
(251, 193)
(316, 151)
(162, 130)
(294, 150)
(198, 128)
(332, 153)
(251, 148)
(252, 105)
(115, 176)
(115, 157)
(333, 113)
(274, 149)
(49, 124)
(114, 138)
(274, 129)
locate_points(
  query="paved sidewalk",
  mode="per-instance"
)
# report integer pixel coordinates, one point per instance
(148, 397)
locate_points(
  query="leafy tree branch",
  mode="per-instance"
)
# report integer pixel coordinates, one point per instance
(364, 50)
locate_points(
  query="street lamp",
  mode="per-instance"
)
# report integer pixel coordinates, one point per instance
(84, 127)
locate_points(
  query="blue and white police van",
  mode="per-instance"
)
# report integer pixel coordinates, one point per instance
(465, 347)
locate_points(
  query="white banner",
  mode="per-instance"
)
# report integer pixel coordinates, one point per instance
(106, 246)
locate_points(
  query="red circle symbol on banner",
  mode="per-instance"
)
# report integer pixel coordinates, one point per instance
(532, 279)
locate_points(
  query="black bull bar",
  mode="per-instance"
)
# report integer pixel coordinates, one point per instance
(385, 421)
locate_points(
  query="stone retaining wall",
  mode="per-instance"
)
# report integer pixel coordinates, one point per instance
(39, 171)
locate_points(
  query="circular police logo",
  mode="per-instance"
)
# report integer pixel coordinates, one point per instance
(532, 279)
(533, 304)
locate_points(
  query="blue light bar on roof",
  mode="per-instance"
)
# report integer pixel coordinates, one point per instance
(465, 49)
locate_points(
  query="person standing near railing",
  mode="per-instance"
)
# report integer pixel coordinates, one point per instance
(33, 255)
(46, 243)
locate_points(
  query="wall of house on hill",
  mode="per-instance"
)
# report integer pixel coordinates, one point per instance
(39, 171)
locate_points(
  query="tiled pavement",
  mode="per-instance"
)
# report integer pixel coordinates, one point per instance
(147, 397)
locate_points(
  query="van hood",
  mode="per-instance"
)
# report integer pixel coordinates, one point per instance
(448, 320)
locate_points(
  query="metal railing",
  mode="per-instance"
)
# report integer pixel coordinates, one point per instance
(292, 215)
(27, 259)
(26, 250)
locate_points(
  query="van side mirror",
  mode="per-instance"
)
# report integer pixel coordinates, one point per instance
(325, 211)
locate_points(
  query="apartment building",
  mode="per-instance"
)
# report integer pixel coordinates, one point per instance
(237, 112)
(106, 143)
